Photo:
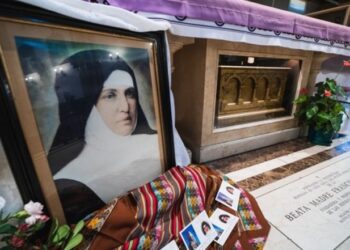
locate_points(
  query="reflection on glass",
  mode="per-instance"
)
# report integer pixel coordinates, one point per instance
(93, 104)
(8, 188)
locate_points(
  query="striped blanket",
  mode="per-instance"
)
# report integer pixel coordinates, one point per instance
(153, 215)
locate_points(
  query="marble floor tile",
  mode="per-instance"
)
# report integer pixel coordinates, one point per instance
(276, 174)
(297, 176)
(260, 168)
(289, 187)
(277, 241)
(254, 157)
(294, 156)
(314, 210)
(344, 245)
(287, 151)
(312, 150)
(255, 170)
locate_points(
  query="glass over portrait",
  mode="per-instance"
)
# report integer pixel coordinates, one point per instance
(94, 107)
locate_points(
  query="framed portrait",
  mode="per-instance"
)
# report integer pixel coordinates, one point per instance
(93, 105)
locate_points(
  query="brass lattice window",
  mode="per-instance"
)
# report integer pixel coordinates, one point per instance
(258, 90)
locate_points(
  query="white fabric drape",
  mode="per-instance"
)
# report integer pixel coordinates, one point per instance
(100, 14)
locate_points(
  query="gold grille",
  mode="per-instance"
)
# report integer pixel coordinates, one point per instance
(250, 91)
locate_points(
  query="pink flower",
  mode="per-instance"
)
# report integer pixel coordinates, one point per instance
(16, 241)
(23, 227)
(31, 220)
(43, 218)
(33, 208)
(327, 93)
(35, 212)
(346, 63)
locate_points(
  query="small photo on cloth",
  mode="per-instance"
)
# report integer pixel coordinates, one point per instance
(190, 237)
(223, 223)
(228, 195)
(199, 233)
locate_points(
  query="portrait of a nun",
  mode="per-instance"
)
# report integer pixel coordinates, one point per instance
(103, 146)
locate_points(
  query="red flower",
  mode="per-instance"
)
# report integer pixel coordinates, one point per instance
(16, 241)
(23, 227)
(346, 63)
(304, 91)
(327, 93)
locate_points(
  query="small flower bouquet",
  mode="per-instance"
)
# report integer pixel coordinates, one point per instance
(321, 111)
(19, 230)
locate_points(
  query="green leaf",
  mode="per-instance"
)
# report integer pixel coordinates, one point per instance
(5, 219)
(320, 87)
(75, 241)
(21, 214)
(78, 228)
(301, 99)
(338, 108)
(61, 234)
(311, 112)
(39, 225)
(53, 229)
(323, 116)
(321, 102)
(7, 229)
(332, 85)
(340, 91)
(336, 122)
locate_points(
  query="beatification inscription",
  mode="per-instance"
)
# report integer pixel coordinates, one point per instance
(315, 210)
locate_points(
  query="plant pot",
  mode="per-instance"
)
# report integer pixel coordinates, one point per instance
(320, 137)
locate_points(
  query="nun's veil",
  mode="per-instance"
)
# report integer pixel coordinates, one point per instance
(79, 82)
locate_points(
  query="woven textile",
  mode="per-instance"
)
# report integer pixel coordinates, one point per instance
(151, 216)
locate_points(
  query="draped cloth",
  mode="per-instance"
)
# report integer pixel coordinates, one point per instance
(242, 21)
(152, 215)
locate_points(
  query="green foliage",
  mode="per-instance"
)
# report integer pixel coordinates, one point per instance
(74, 241)
(322, 110)
(53, 230)
(63, 237)
(7, 229)
(16, 233)
(78, 228)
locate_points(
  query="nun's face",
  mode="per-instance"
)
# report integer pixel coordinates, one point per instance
(117, 103)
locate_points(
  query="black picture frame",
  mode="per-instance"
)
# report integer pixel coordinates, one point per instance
(22, 161)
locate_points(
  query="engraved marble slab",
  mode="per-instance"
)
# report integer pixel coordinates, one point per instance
(313, 211)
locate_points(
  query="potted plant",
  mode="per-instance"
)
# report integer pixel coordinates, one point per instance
(322, 112)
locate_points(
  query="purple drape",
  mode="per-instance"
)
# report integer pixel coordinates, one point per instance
(241, 12)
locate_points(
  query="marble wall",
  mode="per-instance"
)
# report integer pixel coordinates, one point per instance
(194, 83)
